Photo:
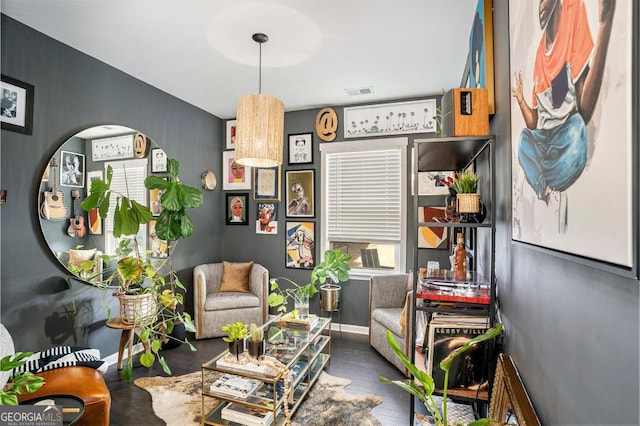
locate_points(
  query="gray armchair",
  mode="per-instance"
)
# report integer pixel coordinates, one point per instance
(214, 308)
(388, 297)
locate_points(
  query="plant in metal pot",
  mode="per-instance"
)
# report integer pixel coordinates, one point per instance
(424, 391)
(19, 383)
(333, 269)
(140, 280)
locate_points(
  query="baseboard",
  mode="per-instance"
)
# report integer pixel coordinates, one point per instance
(350, 328)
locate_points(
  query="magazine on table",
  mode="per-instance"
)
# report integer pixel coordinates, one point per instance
(246, 415)
(235, 386)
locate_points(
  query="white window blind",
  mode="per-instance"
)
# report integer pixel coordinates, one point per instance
(364, 195)
(128, 179)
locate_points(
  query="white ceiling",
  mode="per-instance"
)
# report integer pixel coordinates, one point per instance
(201, 51)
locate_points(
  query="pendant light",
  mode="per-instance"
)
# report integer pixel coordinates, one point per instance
(259, 125)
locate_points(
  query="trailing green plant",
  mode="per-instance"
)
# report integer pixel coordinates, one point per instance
(335, 266)
(465, 183)
(132, 270)
(425, 390)
(235, 331)
(21, 383)
(256, 334)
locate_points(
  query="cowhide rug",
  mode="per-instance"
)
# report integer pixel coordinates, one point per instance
(177, 401)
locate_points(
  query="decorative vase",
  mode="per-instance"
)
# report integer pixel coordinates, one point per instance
(255, 348)
(301, 305)
(329, 297)
(236, 348)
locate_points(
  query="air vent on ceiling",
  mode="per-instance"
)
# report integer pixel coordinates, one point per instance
(368, 90)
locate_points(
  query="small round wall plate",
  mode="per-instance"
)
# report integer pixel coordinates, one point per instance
(209, 180)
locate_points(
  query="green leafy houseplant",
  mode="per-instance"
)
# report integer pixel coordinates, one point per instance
(19, 383)
(465, 183)
(425, 390)
(132, 270)
(335, 266)
(236, 333)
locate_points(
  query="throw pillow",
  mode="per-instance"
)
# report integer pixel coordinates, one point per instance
(76, 257)
(235, 277)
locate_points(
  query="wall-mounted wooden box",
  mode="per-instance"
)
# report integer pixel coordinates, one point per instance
(465, 112)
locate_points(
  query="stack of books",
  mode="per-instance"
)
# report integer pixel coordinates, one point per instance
(242, 414)
(307, 323)
(234, 386)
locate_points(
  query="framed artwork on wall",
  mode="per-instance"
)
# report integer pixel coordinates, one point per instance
(16, 102)
(158, 161)
(432, 237)
(154, 200)
(573, 163)
(390, 119)
(159, 248)
(301, 148)
(300, 189)
(94, 219)
(230, 135)
(267, 218)
(234, 175)
(72, 170)
(266, 183)
(480, 57)
(300, 245)
(236, 212)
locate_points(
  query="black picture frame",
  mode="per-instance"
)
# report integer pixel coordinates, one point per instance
(301, 148)
(303, 206)
(72, 166)
(243, 219)
(300, 245)
(158, 161)
(16, 101)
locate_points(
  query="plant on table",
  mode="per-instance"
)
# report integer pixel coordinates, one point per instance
(425, 390)
(132, 270)
(21, 383)
(256, 341)
(236, 333)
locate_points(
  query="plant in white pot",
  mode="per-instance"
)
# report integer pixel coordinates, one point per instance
(140, 280)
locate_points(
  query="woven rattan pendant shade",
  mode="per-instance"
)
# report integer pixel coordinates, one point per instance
(259, 131)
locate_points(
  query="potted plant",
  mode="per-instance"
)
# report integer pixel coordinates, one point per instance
(236, 333)
(466, 187)
(146, 287)
(334, 267)
(256, 341)
(19, 383)
(424, 390)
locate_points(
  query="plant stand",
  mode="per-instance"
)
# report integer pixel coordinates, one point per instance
(330, 302)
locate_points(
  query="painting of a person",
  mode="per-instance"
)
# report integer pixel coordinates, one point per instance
(237, 172)
(302, 246)
(300, 156)
(300, 205)
(71, 173)
(267, 220)
(237, 210)
(567, 77)
(8, 103)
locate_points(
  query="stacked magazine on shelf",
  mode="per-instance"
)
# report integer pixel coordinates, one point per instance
(234, 386)
(245, 415)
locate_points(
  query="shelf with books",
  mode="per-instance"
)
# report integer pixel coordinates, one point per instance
(300, 353)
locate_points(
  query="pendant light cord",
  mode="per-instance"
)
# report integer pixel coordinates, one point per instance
(260, 71)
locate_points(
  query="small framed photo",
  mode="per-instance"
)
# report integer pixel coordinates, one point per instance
(95, 221)
(159, 248)
(234, 175)
(16, 105)
(301, 148)
(300, 189)
(300, 245)
(154, 200)
(72, 169)
(236, 212)
(430, 183)
(231, 134)
(267, 218)
(158, 160)
(266, 183)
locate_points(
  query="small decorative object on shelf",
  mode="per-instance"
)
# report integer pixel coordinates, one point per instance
(236, 333)
(460, 258)
(256, 341)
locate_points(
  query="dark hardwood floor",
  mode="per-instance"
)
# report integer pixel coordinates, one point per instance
(351, 357)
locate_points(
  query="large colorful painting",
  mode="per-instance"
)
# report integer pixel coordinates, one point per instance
(481, 51)
(571, 109)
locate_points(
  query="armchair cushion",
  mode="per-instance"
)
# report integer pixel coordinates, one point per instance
(235, 277)
(218, 301)
(390, 318)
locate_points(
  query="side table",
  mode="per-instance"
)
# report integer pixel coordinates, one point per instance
(126, 337)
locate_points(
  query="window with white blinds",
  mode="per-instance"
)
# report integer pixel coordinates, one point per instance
(364, 201)
(128, 179)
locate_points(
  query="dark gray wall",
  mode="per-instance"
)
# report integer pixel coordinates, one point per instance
(72, 92)
(572, 329)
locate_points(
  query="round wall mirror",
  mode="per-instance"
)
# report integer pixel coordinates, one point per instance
(75, 236)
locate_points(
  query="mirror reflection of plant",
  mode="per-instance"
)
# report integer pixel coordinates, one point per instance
(425, 390)
(133, 272)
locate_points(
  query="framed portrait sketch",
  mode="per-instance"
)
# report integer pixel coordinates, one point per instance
(267, 218)
(236, 212)
(16, 105)
(234, 176)
(572, 150)
(158, 160)
(301, 148)
(266, 183)
(230, 135)
(300, 245)
(300, 189)
(72, 169)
